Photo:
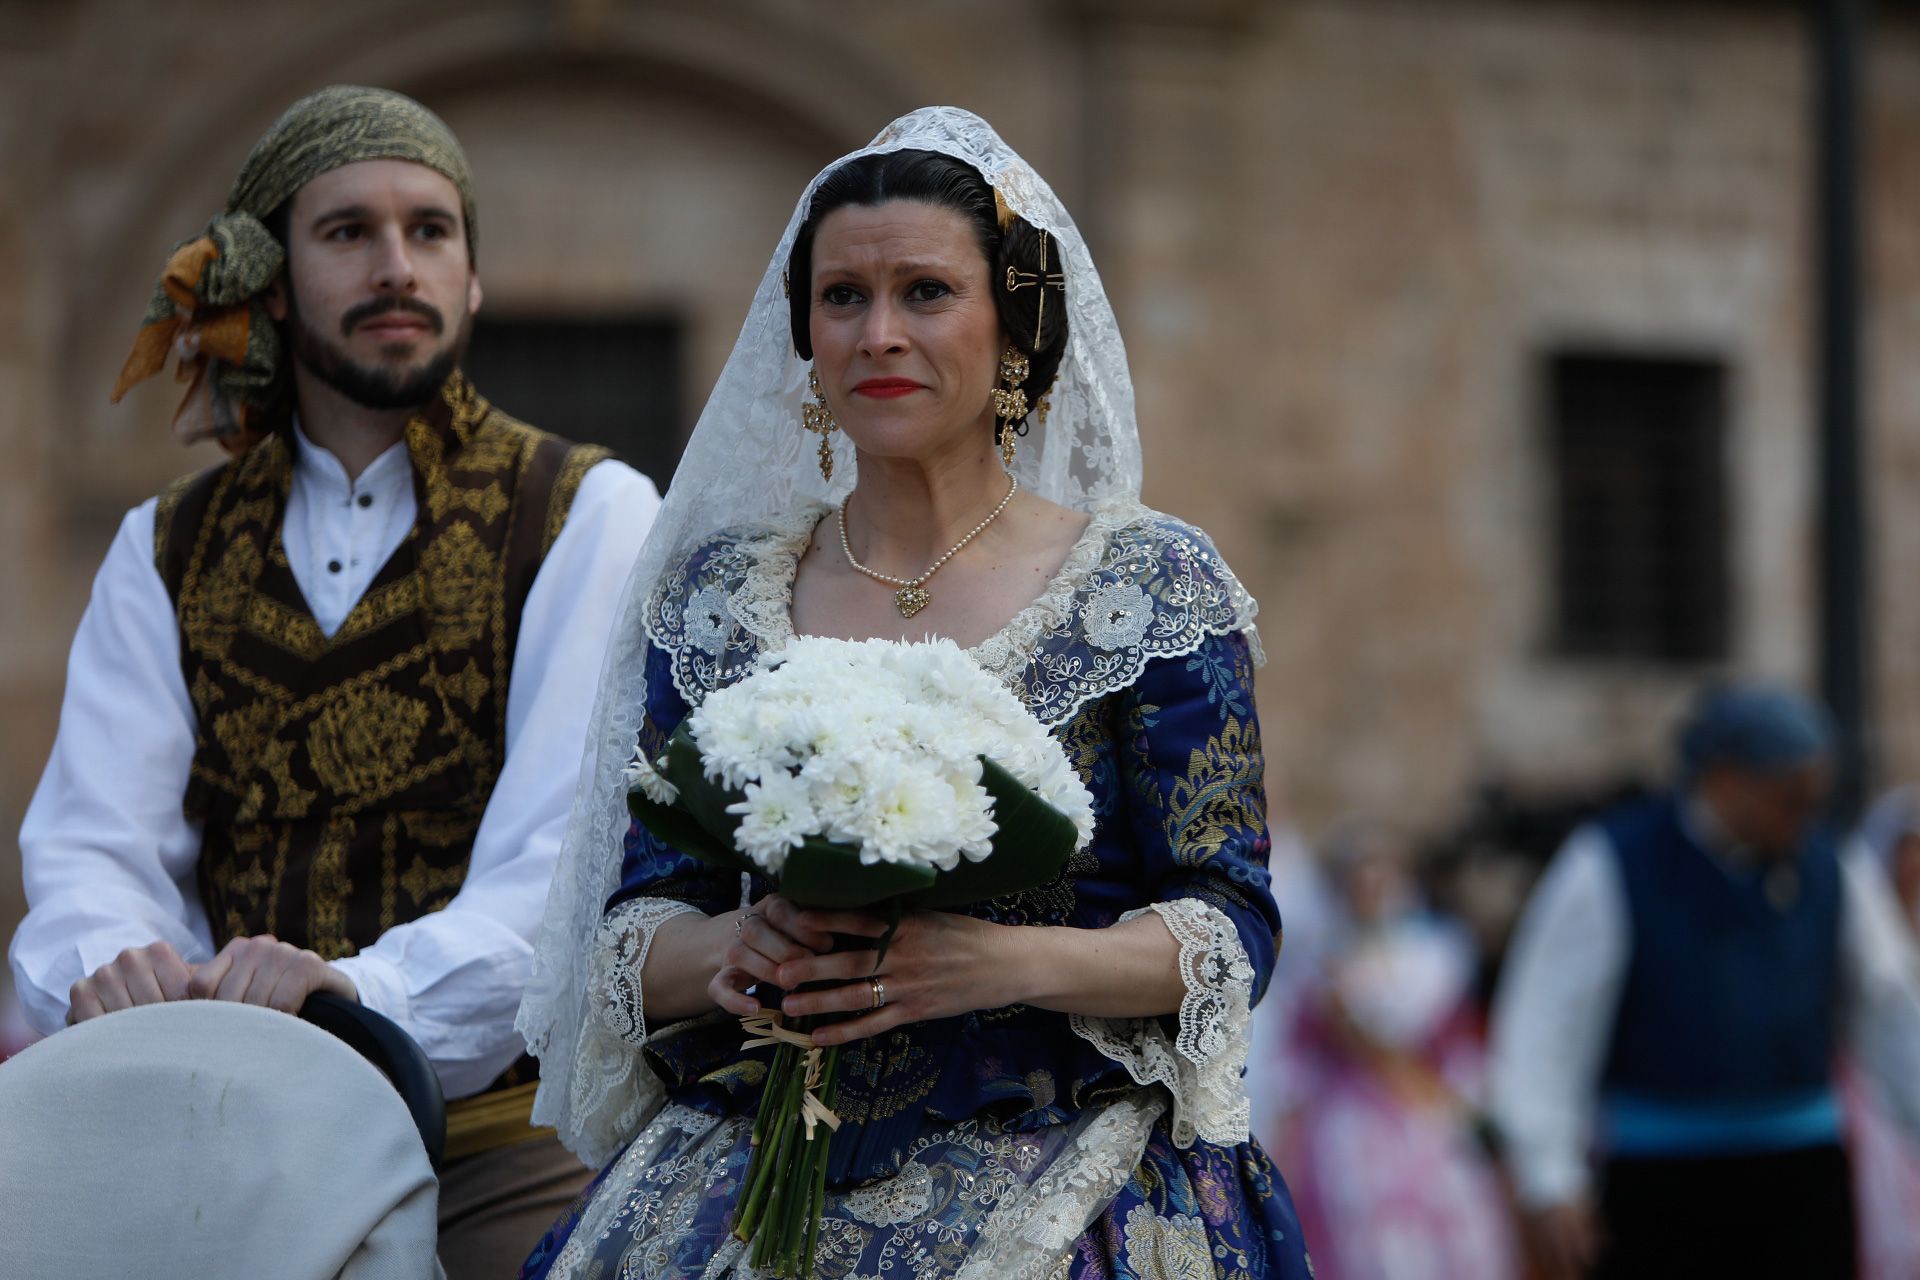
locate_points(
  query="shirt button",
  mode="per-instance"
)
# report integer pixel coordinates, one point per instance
(333, 566)
(366, 499)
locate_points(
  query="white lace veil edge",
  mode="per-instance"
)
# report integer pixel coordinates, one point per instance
(747, 461)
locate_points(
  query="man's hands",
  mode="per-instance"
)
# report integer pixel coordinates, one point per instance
(151, 974)
(259, 970)
(265, 971)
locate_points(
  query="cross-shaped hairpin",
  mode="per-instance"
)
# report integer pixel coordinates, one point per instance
(1018, 280)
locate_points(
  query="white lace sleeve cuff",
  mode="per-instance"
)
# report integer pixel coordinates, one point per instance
(613, 1091)
(1202, 1065)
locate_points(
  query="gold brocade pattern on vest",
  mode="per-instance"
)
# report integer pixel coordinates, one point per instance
(340, 780)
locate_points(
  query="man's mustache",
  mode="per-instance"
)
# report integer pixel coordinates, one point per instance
(357, 315)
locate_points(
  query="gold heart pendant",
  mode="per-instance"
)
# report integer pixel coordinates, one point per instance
(911, 600)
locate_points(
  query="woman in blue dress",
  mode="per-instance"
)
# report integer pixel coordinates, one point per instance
(1044, 1085)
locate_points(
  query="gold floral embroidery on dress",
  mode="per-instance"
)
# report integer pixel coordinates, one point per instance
(1221, 795)
(1174, 1247)
(745, 1073)
(1086, 735)
(883, 1076)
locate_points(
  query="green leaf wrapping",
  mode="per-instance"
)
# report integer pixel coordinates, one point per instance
(1031, 845)
(824, 873)
(678, 829)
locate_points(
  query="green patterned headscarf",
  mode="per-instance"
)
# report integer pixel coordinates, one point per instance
(214, 285)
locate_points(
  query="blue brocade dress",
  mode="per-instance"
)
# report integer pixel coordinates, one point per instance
(1013, 1141)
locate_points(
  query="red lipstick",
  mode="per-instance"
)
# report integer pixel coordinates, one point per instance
(886, 388)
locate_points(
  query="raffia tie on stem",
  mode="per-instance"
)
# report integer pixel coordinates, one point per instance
(769, 1028)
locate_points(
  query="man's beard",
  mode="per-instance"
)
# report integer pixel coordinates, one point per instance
(376, 386)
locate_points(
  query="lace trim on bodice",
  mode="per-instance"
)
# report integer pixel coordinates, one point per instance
(614, 1091)
(1201, 1065)
(1136, 585)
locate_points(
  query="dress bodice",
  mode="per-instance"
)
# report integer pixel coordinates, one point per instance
(1133, 658)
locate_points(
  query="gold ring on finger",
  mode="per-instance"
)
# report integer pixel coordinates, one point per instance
(879, 992)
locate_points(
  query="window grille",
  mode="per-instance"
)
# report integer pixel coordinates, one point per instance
(612, 380)
(1640, 538)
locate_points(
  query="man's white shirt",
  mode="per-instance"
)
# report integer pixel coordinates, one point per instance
(110, 859)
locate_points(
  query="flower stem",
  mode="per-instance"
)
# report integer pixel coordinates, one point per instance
(776, 1226)
(767, 1129)
(817, 1197)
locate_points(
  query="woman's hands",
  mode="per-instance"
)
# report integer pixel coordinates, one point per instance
(938, 965)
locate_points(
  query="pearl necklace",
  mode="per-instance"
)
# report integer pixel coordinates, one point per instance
(912, 596)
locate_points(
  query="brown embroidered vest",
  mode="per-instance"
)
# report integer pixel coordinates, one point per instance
(340, 780)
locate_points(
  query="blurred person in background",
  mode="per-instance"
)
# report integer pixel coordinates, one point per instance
(1674, 999)
(1889, 839)
(1382, 1141)
(324, 712)
(1886, 1160)
(1275, 1077)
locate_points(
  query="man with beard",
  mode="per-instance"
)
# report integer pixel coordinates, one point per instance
(324, 712)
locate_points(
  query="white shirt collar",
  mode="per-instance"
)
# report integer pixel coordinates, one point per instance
(1704, 828)
(318, 467)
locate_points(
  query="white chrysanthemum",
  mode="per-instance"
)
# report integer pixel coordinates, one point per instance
(776, 817)
(876, 743)
(908, 817)
(641, 773)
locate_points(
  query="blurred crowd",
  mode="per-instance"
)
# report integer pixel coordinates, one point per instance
(1375, 1075)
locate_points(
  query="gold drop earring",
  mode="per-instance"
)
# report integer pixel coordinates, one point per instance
(816, 416)
(1010, 402)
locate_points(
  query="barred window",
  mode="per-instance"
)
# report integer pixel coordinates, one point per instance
(612, 380)
(1638, 463)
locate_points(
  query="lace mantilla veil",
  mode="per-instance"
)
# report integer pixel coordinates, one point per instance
(749, 460)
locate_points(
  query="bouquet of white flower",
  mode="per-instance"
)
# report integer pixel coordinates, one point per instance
(870, 774)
